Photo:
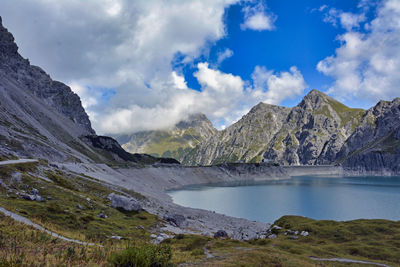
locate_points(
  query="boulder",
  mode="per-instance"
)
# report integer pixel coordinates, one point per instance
(175, 219)
(102, 215)
(124, 203)
(304, 233)
(220, 234)
(28, 197)
(273, 236)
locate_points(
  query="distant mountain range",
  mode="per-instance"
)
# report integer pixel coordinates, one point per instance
(318, 131)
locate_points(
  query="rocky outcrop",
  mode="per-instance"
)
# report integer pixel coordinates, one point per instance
(374, 146)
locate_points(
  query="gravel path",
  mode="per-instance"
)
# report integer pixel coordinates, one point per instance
(17, 161)
(24, 220)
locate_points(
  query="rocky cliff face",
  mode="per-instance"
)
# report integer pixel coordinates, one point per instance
(375, 143)
(36, 81)
(245, 140)
(314, 131)
(175, 142)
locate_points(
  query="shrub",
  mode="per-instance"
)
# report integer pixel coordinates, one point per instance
(145, 255)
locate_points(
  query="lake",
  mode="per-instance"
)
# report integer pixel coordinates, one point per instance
(320, 198)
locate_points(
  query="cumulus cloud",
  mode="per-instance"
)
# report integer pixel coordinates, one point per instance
(257, 18)
(274, 88)
(367, 64)
(117, 54)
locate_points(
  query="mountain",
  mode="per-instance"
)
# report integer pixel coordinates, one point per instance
(42, 118)
(245, 140)
(375, 143)
(318, 131)
(174, 143)
(310, 133)
(314, 131)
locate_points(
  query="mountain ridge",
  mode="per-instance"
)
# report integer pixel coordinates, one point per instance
(318, 131)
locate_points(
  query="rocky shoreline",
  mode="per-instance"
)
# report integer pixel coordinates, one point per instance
(154, 182)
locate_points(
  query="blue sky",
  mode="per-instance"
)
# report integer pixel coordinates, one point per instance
(147, 64)
(301, 38)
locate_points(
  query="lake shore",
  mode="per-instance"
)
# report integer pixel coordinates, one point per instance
(154, 182)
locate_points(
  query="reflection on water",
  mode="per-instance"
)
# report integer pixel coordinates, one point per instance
(315, 197)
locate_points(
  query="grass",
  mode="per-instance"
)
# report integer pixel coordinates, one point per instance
(60, 212)
(21, 245)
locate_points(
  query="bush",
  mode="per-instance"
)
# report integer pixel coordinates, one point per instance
(145, 255)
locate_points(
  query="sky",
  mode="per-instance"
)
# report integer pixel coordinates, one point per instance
(147, 64)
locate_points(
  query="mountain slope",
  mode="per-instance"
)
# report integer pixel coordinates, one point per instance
(314, 131)
(245, 140)
(42, 118)
(174, 143)
(375, 144)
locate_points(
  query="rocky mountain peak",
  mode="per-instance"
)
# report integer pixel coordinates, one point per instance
(194, 120)
(315, 99)
(8, 48)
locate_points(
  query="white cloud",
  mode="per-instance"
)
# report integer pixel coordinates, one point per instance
(222, 56)
(179, 81)
(257, 18)
(225, 98)
(274, 88)
(367, 65)
(346, 19)
(126, 47)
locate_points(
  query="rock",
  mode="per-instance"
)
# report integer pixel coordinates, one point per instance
(38, 198)
(49, 198)
(273, 236)
(304, 233)
(102, 215)
(117, 237)
(157, 239)
(124, 203)
(176, 219)
(28, 197)
(79, 206)
(276, 227)
(140, 227)
(221, 234)
(34, 191)
(294, 237)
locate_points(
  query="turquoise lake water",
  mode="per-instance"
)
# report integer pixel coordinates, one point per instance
(314, 197)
